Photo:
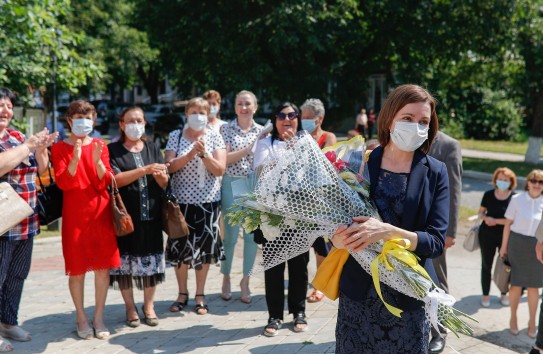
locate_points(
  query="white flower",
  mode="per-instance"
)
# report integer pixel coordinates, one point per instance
(270, 232)
(264, 219)
(290, 223)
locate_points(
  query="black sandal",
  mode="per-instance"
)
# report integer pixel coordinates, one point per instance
(200, 307)
(177, 306)
(275, 324)
(299, 319)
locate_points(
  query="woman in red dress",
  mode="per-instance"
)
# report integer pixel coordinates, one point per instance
(83, 172)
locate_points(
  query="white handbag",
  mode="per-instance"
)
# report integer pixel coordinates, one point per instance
(471, 242)
(13, 208)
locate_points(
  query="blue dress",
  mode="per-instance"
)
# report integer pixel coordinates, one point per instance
(367, 326)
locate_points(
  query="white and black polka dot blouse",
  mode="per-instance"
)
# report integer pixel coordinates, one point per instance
(186, 183)
(237, 139)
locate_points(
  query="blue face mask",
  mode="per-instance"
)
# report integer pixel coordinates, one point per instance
(503, 185)
(309, 125)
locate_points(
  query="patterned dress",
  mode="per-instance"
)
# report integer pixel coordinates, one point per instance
(367, 326)
(199, 195)
(142, 254)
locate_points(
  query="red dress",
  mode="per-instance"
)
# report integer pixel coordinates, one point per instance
(88, 239)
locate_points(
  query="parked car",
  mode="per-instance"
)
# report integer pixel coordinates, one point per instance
(165, 124)
(153, 111)
(105, 115)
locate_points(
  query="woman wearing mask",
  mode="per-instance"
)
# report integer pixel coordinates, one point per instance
(286, 123)
(214, 121)
(197, 159)
(239, 136)
(83, 172)
(21, 160)
(523, 215)
(492, 212)
(141, 177)
(312, 118)
(411, 192)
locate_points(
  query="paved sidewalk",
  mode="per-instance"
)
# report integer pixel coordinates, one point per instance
(231, 327)
(500, 156)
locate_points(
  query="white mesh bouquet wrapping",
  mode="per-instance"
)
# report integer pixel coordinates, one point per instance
(300, 196)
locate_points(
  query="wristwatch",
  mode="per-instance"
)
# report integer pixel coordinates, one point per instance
(204, 155)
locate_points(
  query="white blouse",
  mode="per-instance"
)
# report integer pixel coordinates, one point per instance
(266, 151)
(525, 212)
(237, 139)
(194, 184)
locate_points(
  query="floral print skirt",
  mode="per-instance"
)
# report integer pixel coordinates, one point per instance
(368, 327)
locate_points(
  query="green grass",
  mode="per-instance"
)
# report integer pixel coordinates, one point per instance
(521, 169)
(466, 212)
(44, 232)
(496, 146)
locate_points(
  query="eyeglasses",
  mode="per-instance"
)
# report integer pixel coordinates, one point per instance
(289, 115)
(535, 181)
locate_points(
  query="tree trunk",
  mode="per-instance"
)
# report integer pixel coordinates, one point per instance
(534, 143)
(151, 82)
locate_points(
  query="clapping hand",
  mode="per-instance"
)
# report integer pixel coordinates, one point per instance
(156, 169)
(77, 148)
(199, 146)
(97, 147)
(41, 140)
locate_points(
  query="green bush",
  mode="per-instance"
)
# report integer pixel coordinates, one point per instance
(481, 113)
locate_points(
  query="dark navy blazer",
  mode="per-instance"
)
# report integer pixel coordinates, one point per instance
(425, 211)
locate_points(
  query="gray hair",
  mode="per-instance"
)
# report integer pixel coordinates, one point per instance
(315, 105)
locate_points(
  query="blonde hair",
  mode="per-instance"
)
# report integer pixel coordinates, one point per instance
(197, 102)
(508, 173)
(245, 92)
(536, 173)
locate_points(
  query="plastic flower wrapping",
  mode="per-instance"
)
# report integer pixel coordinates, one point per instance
(304, 194)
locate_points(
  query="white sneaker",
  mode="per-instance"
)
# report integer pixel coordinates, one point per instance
(485, 303)
(505, 301)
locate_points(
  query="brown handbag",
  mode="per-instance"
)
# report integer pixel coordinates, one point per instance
(173, 220)
(122, 221)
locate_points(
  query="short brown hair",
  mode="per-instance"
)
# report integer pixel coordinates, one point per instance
(395, 101)
(212, 94)
(532, 175)
(80, 107)
(508, 173)
(197, 102)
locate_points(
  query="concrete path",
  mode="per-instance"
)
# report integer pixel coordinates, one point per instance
(501, 156)
(233, 327)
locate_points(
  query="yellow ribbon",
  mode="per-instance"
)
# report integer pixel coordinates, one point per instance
(396, 248)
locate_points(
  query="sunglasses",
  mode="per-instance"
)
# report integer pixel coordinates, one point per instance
(535, 181)
(289, 115)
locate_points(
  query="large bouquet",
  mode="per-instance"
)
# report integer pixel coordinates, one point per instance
(304, 194)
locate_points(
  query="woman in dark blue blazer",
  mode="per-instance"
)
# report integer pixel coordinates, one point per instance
(411, 191)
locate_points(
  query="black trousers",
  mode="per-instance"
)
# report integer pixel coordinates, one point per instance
(490, 245)
(274, 279)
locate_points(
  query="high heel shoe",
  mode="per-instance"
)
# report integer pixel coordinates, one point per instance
(151, 321)
(101, 333)
(177, 306)
(84, 334)
(226, 294)
(245, 292)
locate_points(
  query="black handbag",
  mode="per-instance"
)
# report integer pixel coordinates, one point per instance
(49, 200)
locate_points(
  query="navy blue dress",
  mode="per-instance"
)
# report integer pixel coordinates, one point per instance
(366, 325)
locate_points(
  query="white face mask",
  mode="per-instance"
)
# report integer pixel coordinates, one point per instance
(213, 111)
(82, 127)
(197, 122)
(309, 125)
(134, 131)
(409, 136)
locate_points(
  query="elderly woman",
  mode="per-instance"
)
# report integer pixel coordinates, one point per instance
(239, 135)
(411, 192)
(214, 121)
(492, 212)
(522, 216)
(286, 123)
(197, 159)
(83, 172)
(141, 176)
(21, 160)
(312, 118)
